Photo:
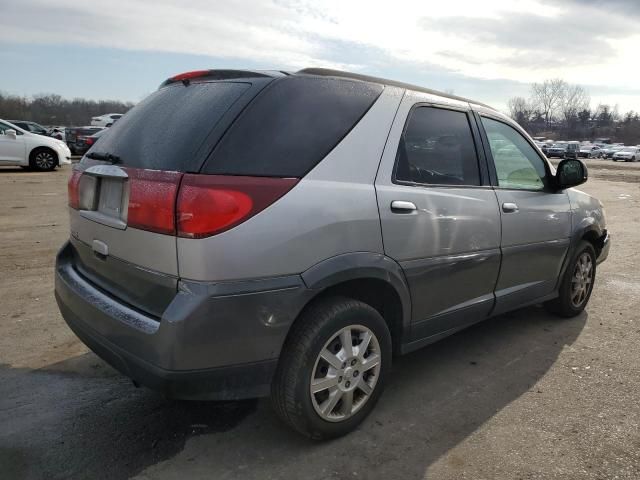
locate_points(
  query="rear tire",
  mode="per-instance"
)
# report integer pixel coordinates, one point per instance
(577, 283)
(324, 387)
(43, 159)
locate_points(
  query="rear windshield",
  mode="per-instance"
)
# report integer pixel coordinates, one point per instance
(292, 125)
(166, 129)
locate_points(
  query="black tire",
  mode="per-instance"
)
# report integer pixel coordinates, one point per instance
(43, 159)
(318, 325)
(564, 304)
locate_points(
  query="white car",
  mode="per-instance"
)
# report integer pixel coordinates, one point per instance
(105, 120)
(627, 154)
(29, 150)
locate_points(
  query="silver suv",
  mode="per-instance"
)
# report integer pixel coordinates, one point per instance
(241, 233)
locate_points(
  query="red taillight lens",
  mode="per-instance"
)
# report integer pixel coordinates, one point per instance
(188, 75)
(152, 199)
(72, 188)
(89, 140)
(211, 204)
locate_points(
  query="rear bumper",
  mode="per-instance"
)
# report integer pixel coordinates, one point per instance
(214, 341)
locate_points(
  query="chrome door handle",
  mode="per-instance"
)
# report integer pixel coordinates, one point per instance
(402, 206)
(509, 207)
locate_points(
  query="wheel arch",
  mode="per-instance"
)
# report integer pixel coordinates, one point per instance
(34, 150)
(372, 278)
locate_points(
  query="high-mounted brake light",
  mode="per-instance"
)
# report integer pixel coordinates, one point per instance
(210, 204)
(73, 190)
(189, 75)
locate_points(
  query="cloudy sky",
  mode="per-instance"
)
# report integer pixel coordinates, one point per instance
(485, 49)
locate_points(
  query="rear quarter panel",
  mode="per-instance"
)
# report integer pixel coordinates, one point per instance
(331, 211)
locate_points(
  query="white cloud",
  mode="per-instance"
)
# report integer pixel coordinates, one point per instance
(486, 43)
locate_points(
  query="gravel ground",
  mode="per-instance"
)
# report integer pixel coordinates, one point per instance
(521, 396)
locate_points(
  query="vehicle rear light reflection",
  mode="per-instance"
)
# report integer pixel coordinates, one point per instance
(211, 204)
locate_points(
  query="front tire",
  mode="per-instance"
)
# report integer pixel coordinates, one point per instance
(577, 283)
(43, 160)
(332, 368)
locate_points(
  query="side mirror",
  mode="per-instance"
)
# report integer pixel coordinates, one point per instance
(570, 173)
(11, 133)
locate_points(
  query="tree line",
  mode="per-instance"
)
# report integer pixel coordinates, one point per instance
(557, 109)
(52, 109)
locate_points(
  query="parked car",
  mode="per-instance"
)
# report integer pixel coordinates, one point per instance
(589, 151)
(573, 150)
(58, 132)
(545, 147)
(608, 152)
(208, 261)
(77, 138)
(32, 127)
(627, 154)
(20, 147)
(90, 141)
(106, 120)
(557, 150)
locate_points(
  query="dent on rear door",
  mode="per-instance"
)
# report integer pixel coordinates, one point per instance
(448, 248)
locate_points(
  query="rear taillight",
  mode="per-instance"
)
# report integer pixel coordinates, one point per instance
(152, 200)
(211, 204)
(89, 140)
(191, 206)
(72, 188)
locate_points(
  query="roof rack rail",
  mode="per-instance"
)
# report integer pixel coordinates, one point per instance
(367, 78)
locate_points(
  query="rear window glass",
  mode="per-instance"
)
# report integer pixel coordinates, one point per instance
(166, 129)
(291, 126)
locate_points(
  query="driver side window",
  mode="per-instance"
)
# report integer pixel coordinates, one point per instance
(437, 148)
(518, 166)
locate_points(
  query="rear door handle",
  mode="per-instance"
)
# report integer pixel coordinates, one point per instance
(402, 206)
(509, 207)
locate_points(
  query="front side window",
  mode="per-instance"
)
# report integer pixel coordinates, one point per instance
(518, 166)
(437, 148)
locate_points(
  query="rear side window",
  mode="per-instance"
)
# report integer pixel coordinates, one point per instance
(166, 129)
(291, 126)
(437, 148)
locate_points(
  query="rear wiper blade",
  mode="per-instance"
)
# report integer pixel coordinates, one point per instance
(108, 157)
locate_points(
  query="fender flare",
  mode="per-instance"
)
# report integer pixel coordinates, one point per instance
(361, 265)
(588, 224)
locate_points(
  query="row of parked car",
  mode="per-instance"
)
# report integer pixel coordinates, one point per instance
(616, 151)
(30, 145)
(78, 139)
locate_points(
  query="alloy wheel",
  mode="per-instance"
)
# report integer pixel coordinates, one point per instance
(582, 280)
(345, 373)
(45, 160)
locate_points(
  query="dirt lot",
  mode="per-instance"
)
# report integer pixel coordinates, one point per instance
(520, 396)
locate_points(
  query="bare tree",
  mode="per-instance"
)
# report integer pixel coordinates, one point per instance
(547, 97)
(574, 100)
(520, 110)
